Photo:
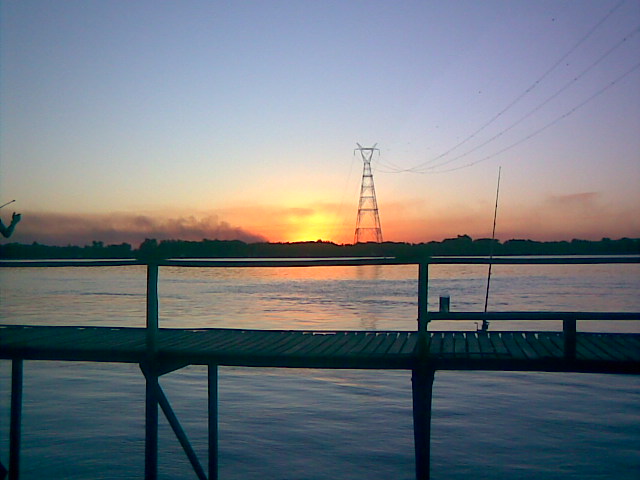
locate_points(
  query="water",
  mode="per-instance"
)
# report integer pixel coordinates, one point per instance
(86, 420)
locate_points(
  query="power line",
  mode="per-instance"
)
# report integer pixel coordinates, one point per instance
(545, 127)
(535, 109)
(510, 104)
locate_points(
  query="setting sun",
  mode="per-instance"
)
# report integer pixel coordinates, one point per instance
(310, 227)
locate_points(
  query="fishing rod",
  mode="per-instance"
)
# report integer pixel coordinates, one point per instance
(485, 323)
(2, 206)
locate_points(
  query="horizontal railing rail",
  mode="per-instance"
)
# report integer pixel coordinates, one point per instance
(569, 321)
(336, 261)
(537, 315)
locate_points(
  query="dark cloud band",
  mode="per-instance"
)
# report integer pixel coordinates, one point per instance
(79, 229)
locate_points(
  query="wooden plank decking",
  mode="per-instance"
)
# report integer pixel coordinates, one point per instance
(525, 351)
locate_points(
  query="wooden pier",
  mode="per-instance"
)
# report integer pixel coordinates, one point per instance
(514, 351)
(159, 351)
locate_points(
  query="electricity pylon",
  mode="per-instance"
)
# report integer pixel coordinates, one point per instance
(368, 222)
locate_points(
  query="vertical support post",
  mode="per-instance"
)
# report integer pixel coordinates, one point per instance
(422, 387)
(213, 422)
(152, 308)
(151, 427)
(151, 398)
(16, 418)
(423, 290)
(569, 330)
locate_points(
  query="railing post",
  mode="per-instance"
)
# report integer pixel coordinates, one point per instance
(152, 308)
(213, 422)
(151, 398)
(423, 290)
(422, 381)
(16, 418)
(569, 330)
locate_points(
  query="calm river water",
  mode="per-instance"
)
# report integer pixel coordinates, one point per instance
(86, 420)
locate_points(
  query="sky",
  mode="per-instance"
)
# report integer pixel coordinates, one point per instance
(123, 120)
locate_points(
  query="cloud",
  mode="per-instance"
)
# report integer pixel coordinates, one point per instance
(82, 229)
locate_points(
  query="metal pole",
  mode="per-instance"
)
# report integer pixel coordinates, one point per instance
(422, 388)
(16, 417)
(213, 422)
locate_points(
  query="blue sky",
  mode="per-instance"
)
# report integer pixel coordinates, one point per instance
(206, 118)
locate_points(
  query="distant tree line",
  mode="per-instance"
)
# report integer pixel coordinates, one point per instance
(461, 245)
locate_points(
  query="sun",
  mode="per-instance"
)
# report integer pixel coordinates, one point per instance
(311, 227)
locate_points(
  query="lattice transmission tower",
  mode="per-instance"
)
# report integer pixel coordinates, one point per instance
(368, 222)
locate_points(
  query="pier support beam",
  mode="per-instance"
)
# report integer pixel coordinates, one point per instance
(17, 367)
(151, 428)
(422, 386)
(151, 375)
(180, 433)
(213, 422)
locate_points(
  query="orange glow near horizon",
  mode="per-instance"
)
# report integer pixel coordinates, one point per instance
(551, 220)
(310, 227)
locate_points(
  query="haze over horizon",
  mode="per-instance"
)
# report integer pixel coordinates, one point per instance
(198, 119)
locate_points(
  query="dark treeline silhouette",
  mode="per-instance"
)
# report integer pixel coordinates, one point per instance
(39, 251)
(461, 245)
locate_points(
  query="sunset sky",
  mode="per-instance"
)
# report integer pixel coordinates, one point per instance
(208, 119)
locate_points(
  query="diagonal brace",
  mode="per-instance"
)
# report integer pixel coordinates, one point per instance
(177, 428)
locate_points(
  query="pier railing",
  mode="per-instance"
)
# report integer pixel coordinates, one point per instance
(422, 371)
(424, 315)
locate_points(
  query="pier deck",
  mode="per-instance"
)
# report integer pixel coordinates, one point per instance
(523, 351)
(160, 350)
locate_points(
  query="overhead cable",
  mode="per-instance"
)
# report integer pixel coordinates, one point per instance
(535, 109)
(519, 97)
(545, 127)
